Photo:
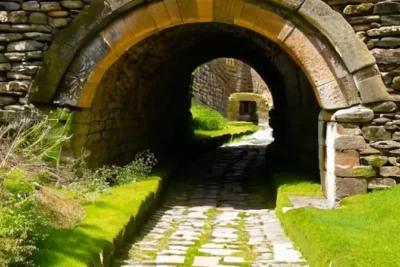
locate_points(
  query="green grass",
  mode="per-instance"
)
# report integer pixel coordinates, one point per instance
(364, 231)
(232, 128)
(205, 118)
(103, 222)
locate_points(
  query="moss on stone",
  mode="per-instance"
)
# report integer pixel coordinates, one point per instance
(375, 160)
(363, 171)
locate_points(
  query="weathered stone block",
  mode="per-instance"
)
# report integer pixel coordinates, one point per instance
(58, 14)
(38, 18)
(385, 145)
(347, 159)
(17, 17)
(348, 129)
(381, 183)
(384, 31)
(72, 4)
(386, 8)
(31, 6)
(340, 34)
(374, 160)
(350, 142)
(380, 121)
(346, 187)
(354, 114)
(386, 106)
(7, 37)
(396, 136)
(395, 152)
(394, 161)
(376, 133)
(7, 100)
(365, 8)
(390, 20)
(369, 151)
(361, 171)
(9, 6)
(22, 46)
(389, 171)
(58, 22)
(50, 6)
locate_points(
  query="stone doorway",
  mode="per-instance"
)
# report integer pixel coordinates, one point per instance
(248, 111)
(249, 107)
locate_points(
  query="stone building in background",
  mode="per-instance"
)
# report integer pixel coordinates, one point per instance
(215, 81)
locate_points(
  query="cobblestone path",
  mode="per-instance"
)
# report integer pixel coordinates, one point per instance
(210, 218)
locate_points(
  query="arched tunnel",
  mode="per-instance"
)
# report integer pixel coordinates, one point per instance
(146, 96)
(128, 78)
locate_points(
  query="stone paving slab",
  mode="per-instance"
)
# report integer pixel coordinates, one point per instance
(215, 219)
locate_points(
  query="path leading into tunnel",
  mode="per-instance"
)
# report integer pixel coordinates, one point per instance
(215, 214)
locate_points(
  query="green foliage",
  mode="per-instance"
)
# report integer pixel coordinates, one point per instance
(17, 184)
(92, 183)
(22, 223)
(44, 140)
(205, 118)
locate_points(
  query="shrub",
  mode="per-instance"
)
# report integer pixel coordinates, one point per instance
(92, 183)
(205, 118)
(22, 223)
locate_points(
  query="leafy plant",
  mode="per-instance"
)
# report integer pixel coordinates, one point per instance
(92, 183)
(22, 223)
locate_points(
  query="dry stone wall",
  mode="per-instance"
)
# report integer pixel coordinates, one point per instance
(365, 139)
(377, 24)
(216, 80)
(26, 31)
(365, 145)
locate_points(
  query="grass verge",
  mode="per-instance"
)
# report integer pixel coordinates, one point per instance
(104, 221)
(364, 231)
(232, 129)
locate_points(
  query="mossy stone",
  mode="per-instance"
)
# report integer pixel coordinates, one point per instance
(375, 160)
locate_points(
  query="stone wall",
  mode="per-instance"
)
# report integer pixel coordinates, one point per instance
(377, 24)
(363, 142)
(26, 32)
(216, 80)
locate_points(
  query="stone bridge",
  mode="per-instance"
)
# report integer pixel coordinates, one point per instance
(124, 66)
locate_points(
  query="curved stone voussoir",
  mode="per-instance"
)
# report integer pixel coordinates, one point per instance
(371, 86)
(341, 35)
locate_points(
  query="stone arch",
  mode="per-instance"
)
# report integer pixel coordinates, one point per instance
(338, 65)
(263, 107)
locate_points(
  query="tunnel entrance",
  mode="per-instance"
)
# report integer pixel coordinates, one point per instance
(130, 76)
(147, 91)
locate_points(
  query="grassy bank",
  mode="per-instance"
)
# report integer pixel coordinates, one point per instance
(104, 221)
(363, 232)
(232, 128)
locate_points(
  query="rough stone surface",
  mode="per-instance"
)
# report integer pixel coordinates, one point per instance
(385, 145)
(354, 114)
(350, 142)
(376, 133)
(374, 160)
(362, 171)
(389, 171)
(381, 183)
(347, 159)
(346, 187)
(214, 189)
(387, 106)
